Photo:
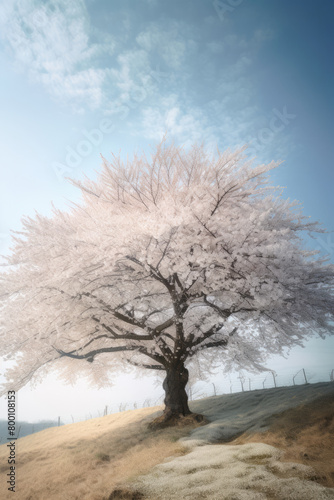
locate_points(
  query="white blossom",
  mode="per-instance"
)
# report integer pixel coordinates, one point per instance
(182, 256)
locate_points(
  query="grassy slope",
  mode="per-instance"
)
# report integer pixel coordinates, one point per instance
(88, 460)
(306, 434)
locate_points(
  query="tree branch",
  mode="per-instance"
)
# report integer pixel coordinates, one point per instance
(150, 367)
(91, 354)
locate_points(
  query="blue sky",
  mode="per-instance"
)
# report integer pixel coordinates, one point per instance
(82, 78)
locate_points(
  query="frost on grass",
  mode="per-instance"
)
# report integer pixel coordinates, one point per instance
(249, 411)
(222, 472)
(252, 471)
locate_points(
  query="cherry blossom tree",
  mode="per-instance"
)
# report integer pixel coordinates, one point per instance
(176, 262)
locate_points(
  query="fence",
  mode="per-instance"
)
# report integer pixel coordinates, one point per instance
(240, 383)
(266, 380)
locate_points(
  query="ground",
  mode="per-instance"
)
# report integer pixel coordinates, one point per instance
(273, 444)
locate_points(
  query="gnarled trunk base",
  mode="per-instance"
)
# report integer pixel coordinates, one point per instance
(191, 420)
(176, 398)
(177, 411)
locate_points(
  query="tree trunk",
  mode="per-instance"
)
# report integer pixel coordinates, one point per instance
(176, 410)
(176, 399)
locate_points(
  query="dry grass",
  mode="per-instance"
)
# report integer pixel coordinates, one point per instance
(90, 459)
(306, 434)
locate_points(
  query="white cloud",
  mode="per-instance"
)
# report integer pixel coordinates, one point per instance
(131, 83)
(186, 124)
(228, 111)
(51, 42)
(204, 90)
(172, 40)
(81, 86)
(134, 69)
(208, 97)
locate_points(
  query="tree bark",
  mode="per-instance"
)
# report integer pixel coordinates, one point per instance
(176, 398)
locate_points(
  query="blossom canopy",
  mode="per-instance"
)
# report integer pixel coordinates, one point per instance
(181, 259)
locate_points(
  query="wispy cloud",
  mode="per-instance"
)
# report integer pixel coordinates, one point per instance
(213, 100)
(207, 90)
(52, 43)
(130, 73)
(172, 39)
(186, 123)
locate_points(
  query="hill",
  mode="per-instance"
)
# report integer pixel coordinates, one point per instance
(268, 444)
(25, 428)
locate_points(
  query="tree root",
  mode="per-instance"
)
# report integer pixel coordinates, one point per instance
(125, 494)
(176, 420)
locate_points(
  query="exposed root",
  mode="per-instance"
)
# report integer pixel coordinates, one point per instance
(125, 494)
(176, 420)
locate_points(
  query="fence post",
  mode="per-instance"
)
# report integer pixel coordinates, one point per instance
(214, 389)
(293, 379)
(306, 382)
(242, 380)
(274, 377)
(58, 421)
(264, 381)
